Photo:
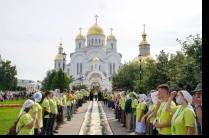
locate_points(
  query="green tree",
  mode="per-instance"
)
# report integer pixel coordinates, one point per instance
(57, 82)
(49, 80)
(79, 87)
(7, 76)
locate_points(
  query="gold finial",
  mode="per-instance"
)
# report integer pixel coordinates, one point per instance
(144, 27)
(111, 30)
(80, 29)
(96, 18)
(61, 42)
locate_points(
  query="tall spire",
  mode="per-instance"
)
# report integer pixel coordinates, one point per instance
(60, 44)
(144, 34)
(144, 27)
(96, 18)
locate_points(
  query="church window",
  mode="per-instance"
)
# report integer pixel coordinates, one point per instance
(95, 40)
(68, 71)
(80, 67)
(102, 42)
(89, 42)
(99, 41)
(79, 45)
(92, 41)
(77, 68)
(99, 67)
(113, 67)
(95, 66)
(58, 64)
(91, 67)
(111, 45)
(55, 66)
(110, 68)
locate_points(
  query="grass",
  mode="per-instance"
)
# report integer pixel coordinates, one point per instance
(8, 115)
(19, 101)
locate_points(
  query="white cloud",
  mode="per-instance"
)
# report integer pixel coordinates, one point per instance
(30, 31)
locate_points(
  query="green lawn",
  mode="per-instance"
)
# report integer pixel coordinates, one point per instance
(20, 101)
(8, 115)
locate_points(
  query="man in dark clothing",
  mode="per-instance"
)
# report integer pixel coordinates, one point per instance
(91, 95)
(99, 96)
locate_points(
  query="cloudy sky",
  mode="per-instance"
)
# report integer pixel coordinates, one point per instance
(31, 30)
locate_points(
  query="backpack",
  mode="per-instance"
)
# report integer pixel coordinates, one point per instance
(12, 130)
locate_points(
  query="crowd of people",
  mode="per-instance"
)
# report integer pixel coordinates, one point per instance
(11, 95)
(45, 116)
(156, 113)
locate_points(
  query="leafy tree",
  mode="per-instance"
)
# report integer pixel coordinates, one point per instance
(7, 76)
(79, 87)
(57, 82)
(49, 80)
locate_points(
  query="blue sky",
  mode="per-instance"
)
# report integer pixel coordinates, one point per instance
(30, 30)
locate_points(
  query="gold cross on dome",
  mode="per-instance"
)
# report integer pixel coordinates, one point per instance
(144, 27)
(80, 29)
(111, 30)
(96, 17)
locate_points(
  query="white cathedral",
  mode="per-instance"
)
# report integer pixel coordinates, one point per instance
(94, 61)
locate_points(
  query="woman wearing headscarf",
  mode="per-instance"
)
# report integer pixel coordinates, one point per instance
(26, 123)
(60, 111)
(183, 121)
(150, 118)
(140, 127)
(129, 113)
(45, 112)
(37, 111)
(133, 106)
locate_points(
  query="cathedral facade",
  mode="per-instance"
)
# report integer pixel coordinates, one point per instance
(94, 61)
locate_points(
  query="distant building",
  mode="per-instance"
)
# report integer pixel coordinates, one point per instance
(24, 83)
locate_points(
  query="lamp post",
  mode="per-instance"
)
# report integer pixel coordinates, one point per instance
(140, 59)
(64, 57)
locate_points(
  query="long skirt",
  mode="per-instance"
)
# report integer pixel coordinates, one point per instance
(74, 108)
(109, 103)
(79, 102)
(123, 117)
(134, 119)
(150, 131)
(140, 128)
(129, 123)
(117, 113)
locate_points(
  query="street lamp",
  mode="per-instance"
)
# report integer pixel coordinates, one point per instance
(140, 59)
(64, 57)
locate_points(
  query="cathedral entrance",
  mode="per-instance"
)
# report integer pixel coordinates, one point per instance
(95, 86)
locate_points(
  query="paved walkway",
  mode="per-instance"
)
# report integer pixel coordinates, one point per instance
(93, 118)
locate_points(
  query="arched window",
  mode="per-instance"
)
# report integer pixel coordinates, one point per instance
(68, 71)
(89, 42)
(102, 42)
(80, 67)
(92, 41)
(77, 68)
(79, 45)
(113, 67)
(111, 45)
(99, 41)
(58, 64)
(95, 40)
(110, 68)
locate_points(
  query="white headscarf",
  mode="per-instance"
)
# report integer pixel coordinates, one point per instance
(154, 97)
(37, 96)
(188, 97)
(55, 92)
(28, 103)
(142, 97)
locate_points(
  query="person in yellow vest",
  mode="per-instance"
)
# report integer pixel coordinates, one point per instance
(64, 108)
(72, 105)
(76, 98)
(45, 112)
(149, 116)
(133, 106)
(26, 122)
(37, 111)
(105, 97)
(122, 103)
(55, 127)
(60, 109)
(69, 99)
(53, 113)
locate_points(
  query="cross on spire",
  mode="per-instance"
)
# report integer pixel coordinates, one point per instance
(80, 29)
(61, 42)
(111, 30)
(144, 27)
(96, 18)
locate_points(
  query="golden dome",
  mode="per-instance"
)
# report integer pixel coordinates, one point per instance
(144, 43)
(110, 37)
(95, 29)
(58, 57)
(80, 36)
(95, 59)
(144, 58)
